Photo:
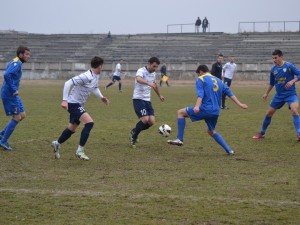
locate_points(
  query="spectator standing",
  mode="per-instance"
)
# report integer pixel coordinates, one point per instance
(164, 76)
(197, 25)
(229, 69)
(216, 69)
(204, 24)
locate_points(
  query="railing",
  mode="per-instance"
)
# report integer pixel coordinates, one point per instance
(269, 26)
(182, 25)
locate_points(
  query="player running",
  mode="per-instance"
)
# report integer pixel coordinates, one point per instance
(145, 80)
(116, 76)
(209, 90)
(83, 85)
(10, 95)
(283, 76)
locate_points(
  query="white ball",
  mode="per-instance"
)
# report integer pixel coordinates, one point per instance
(164, 130)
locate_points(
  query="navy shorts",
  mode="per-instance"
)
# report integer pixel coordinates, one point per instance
(118, 78)
(210, 120)
(227, 81)
(143, 108)
(13, 106)
(76, 111)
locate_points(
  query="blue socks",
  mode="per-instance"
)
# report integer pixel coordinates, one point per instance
(296, 121)
(219, 139)
(265, 124)
(181, 127)
(9, 129)
(120, 87)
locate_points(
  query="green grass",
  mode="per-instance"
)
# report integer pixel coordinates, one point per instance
(154, 183)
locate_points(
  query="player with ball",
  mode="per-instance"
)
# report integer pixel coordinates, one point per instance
(209, 92)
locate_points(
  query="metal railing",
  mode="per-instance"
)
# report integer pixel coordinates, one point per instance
(182, 25)
(270, 26)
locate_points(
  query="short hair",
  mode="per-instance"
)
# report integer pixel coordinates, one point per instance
(154, 60)
(96, 61)
(277, 52)
(220, 55)
(21, 50)
(202, 68)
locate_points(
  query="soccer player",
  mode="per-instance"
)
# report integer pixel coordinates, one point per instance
(116, 76)
(283, 76)
(10, 95)
(145, 81)
(83, 85)
(229, 69)
(209, 90)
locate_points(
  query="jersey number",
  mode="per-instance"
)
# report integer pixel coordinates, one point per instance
(143, 112)
(216, 86)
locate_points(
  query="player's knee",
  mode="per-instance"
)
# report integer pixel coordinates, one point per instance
(210, 132)
(88, 126)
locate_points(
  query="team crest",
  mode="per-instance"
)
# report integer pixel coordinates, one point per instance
(284, 69)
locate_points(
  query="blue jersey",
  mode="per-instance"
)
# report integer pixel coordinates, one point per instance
(211, 89)
(12, 77)
(280, 75)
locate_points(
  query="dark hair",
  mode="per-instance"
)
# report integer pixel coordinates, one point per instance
(96, 61)
(154, 60)
(202, 68)
(21, 50)
(277, 52)
(220, 55)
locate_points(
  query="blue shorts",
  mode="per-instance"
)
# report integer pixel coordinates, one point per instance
(13, 106)
(278, 102)
(210, 120)
(143, 108)
(76, 111)
(118, 78)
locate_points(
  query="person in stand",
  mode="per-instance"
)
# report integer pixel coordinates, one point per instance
(74, 101)
(145, 80)
(209, 90)
(283, 76)
(10, 95)
(197, 24)
(164, 76)
(204, 24)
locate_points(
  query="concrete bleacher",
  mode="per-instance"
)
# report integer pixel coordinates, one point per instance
(182, 52)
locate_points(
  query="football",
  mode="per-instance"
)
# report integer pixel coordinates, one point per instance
(164, 130)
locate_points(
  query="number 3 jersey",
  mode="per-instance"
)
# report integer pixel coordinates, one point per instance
(84, 84)
(211, 89)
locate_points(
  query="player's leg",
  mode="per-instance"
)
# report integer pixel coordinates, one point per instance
(274, 105)
(110, 83)
(181, 115)
(88, 122)
(296, 118)
(211, 125)
(120, 85)
(15, 108)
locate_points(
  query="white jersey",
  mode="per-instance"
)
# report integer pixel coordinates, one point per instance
(229, 69)
(84, 84)
(117, 70)
(142, 91)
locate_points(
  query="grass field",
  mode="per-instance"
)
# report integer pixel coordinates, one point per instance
(154, 183)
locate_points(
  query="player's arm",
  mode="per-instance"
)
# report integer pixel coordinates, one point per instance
(8, 77)
(98, 93)
(296, 73)
(271, 85)
(162, 98)
(213, 69)
(239, 104)
(67, 87)
(198, 104)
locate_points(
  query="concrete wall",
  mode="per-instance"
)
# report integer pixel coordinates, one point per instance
(184, 71)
